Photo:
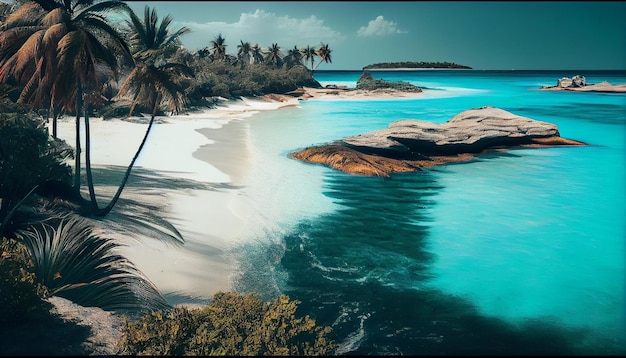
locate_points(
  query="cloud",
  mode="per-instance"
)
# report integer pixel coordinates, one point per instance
(263, 28)
(380, 27)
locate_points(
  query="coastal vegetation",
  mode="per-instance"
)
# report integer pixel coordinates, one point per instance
(67, 58)
(367, 82)
(232, 324)
(408, 64)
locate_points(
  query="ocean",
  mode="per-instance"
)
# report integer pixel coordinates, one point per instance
(516, 252)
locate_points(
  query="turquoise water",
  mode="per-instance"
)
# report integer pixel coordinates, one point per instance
(521, 252)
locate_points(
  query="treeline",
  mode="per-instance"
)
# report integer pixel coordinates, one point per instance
(405, 64)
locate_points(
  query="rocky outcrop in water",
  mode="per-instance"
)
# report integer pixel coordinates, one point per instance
(408, 145)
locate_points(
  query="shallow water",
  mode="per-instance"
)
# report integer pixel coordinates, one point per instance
(521, 252)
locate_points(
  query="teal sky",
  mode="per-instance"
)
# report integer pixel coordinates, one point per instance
(487, 35)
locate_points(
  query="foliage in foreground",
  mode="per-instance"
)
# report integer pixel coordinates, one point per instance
(30, 160)
(75, 262)
(20, 295)
(232, 324)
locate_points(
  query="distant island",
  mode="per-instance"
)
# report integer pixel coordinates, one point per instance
(394, 65)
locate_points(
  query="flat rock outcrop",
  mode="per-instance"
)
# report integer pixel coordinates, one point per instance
(408, 145)
(603, 87)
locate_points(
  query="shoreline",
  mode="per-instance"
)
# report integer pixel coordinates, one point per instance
(189, 159)
(196, 164)
(352, 94)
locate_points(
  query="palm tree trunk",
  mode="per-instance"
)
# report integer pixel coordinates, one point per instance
(107, 209)
(54, 126)
(92, 191)
(55, 117)
(78, 149)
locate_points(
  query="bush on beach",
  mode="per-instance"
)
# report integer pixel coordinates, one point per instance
(232, 324)
(21, 297)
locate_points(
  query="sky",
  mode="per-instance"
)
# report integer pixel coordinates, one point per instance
(485, 35)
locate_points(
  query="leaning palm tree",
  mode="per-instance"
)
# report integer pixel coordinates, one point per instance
(243, 53)
(151, 82)
(274, 56)
(324, 53)
(308, 54)
(58, 50)
(218, 46)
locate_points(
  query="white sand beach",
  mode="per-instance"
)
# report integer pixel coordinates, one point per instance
(206, 153)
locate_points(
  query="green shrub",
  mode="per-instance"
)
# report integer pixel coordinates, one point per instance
(29, 159)
(232, 324)
(20, 296)
(221, 89)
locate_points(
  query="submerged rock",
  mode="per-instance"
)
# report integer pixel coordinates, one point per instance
(408, 145)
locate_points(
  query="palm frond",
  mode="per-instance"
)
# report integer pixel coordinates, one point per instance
(24, 13)
(100, 7)
(76, 263)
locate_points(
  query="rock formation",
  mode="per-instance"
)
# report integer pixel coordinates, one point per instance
(576, 81)
(408, 145)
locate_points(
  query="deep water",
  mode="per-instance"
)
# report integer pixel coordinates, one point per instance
(519, 252)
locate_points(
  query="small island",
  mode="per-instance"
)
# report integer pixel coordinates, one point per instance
(411, 65)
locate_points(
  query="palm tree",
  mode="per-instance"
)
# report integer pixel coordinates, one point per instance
(243, 54)
(58, 50)
(22, 34)
(294, 57)
(324, 53)
(309, 54)
(274, 56)
(151, 82)
(219, 47)
(257, 54)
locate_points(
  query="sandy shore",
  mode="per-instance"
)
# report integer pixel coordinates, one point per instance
(354, 94)
(190, 173)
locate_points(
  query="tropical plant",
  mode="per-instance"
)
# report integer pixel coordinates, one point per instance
(59, 50)
(30, 160)
(151, 81)
(243, 53)
(308, 54)
(218, 47)
(274, 56)
(324, 53)
(232, 324)
(72, 261)
(21, 296)
(257, 54)
(293, 58)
